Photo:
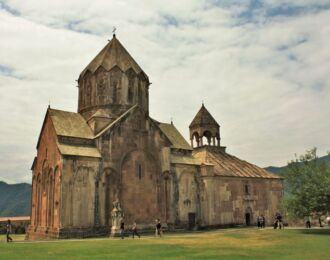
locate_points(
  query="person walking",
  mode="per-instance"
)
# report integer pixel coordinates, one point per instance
(158, 228)
(275, 223)
(8, 231)
(122, 230)
(134, 230)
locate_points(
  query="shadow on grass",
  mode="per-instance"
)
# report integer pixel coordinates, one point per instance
(315, 231)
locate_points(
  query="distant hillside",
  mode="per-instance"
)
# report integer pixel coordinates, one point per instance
(15, 199)
(280, 170)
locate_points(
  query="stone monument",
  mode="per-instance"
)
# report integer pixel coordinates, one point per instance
(117, 217)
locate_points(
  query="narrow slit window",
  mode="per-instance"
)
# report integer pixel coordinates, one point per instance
(247, 189)
(140, 171)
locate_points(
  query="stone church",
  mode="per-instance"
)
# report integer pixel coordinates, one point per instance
(111, 155)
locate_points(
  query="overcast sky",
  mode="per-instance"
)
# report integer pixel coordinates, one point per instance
(261, 67)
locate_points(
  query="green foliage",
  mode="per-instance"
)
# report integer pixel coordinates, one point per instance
(308, 182)
(281, 171)
(15, 199)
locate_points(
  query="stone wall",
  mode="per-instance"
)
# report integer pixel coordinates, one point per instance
(184, 195)
(46, 175)
(231, 200)
(114, 89)
(131, 171)
(78, 191)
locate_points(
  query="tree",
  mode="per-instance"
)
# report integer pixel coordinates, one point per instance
(309, 186)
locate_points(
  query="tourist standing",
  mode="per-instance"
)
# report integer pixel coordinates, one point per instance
(308, 222)
(158, 228)
(134, 230)
(8, 231)
(122, 230)
(259, 221)
(279, 219)
(263, 221)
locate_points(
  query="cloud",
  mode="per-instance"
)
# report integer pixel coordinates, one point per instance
(261, 68)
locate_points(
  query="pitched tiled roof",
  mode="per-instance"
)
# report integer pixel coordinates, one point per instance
(174, 136)
(76, 150)
(70, 124)
(229, 165)
(121, 117)
(203, 117)
(113, 54)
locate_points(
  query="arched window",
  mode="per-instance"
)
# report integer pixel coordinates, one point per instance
(88, 94)
(195, 139)
(130, 94)
(246, 189)
(139, 171)
(207, 139)
(114, 92)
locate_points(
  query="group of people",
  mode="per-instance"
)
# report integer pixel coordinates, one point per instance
(278, 221)
(134, 229)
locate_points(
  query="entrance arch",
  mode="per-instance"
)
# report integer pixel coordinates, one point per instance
(248, 216)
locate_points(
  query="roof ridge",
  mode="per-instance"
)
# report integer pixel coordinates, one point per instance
(55, 109)
(115, 121)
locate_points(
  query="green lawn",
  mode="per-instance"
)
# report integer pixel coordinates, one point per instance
(224, 244)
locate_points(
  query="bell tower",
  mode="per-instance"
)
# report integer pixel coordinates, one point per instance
(204, 130)
(112, 82)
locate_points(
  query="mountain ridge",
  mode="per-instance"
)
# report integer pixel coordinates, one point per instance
(15, 199)
(281, 169)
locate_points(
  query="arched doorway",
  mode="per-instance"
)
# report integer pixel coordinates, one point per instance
(248, 216)
(247, 219)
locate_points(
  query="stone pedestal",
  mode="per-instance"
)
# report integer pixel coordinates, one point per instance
(117, 216)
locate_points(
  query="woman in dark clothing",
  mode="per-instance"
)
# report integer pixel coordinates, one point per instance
(8, 231)
(122, 230)
(158, 228)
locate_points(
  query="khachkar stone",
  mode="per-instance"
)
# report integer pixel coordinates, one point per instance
(117, 216)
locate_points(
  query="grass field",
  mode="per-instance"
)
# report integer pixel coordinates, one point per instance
(224, 244)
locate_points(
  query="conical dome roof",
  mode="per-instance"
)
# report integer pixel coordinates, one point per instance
(113, 54)
(203, 118)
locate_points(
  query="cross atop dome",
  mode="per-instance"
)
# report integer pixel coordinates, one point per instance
(112, 81)
(113, 54)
